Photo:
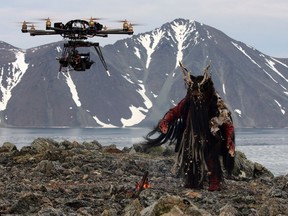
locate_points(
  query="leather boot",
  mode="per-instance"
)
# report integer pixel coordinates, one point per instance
(213, 176)
(214, 183)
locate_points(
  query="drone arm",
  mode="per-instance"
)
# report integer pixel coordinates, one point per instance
(100, 35)
(115, 31)
(42, 32)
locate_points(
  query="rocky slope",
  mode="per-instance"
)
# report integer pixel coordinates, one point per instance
(70, 178)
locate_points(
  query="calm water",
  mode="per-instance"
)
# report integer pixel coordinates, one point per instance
(265, 146)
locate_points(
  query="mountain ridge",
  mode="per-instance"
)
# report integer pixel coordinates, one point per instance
(143, 80)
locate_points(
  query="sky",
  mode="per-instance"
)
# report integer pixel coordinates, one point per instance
(260, 24)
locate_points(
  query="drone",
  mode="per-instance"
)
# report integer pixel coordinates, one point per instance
(77, 32)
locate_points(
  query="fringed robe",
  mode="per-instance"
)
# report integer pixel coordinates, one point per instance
(203, 131)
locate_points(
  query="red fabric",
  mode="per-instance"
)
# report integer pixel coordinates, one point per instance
(174, 112)
(214, 185)
(163, 126)
(229, 129)
(171, 115)
(214, 176)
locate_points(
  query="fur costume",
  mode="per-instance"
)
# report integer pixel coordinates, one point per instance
(201, 127)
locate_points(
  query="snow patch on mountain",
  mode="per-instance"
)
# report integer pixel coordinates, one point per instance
(138, 112)
(137, 52)
(59, 49)
(102, 124)
(127, 78)
(73, 89)
(279, 62)
(150, 42)
(147, 101)
(270, 76)
(20, 63)
(283, 87)
(280, 106)
(223, 87)
(181, 32)
(136, 117)
(18, 69)
(271, 64)
(239, 112)
(244, 52)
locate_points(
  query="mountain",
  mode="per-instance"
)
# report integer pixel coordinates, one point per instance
(143, 81)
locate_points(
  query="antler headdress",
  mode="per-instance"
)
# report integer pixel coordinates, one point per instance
(206, 74)
(187, 78)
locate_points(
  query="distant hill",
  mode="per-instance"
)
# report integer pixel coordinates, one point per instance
(143, 81)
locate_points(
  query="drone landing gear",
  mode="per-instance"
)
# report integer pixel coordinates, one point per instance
(73, 60)
(101, 57)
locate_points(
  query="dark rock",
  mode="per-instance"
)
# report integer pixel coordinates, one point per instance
(228, 210)
(76, 204)
(27, 150)
(70, 145)
(50, 211)
(27, 204)
(8, 147)
(111, 149)
(43, 144)
(247, 169)
(94, 145)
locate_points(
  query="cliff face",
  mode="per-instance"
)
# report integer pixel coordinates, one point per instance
(87, 178)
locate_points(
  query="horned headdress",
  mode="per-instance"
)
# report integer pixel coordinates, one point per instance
(187, 76)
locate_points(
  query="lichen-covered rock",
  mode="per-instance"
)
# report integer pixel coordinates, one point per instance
(28, 203)
(247, 169)
(8, 147)
(43, 144)
(228, 210)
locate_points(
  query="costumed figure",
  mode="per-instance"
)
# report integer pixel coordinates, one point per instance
(201, 127)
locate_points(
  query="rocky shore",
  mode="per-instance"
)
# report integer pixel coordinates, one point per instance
(70, 178)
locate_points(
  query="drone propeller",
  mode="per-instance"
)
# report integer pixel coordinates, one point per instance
(127, 26)
(25, 27)
(45, 19)
(93, 18)
(27, 23)
(129, 23)
(121, 21)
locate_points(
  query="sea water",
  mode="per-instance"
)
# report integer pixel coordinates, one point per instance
(268, 147)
